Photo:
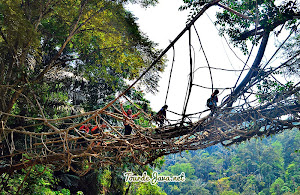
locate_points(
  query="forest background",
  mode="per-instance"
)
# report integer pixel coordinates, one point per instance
(74, 56)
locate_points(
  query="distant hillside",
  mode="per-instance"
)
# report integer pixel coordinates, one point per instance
(270, 166)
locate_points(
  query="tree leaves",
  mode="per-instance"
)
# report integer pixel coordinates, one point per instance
(266, 13)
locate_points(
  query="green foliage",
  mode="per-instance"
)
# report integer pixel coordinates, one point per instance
(242, 27)
(112, 180)
(187, 168)
(256, 167)
(70, 49)
(39, 180)
(229, 193)
(198, 190)
(148, 189)
(70, 56)
(105, 179)
(268, 89)
(276, 186)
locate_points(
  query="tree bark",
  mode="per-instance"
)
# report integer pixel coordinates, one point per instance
(251, 73)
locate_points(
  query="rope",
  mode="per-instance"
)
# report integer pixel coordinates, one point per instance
(188, 26)
(190, 84)
(211, 78)
(212, 88)
(274, 54)
(173, 60)
(223, 69)
(226, 41)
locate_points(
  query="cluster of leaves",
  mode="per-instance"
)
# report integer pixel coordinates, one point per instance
(268, 89)
(253, 18)
(69, 52)
(194, 6)
(264, 167)
(267, 15)
(35, 180)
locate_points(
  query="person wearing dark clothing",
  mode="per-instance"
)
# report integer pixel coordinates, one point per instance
(161, 115)
(212, 101)
(128, 116)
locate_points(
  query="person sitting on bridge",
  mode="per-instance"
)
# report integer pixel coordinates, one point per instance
(85, 128)
(161, 115)
(96, 129)
(130, 116)
(212, 101)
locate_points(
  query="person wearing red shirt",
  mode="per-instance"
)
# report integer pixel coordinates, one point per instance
(130, 116)
(96, 128)
(85, 128)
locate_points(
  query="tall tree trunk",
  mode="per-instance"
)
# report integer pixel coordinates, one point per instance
(252, 72)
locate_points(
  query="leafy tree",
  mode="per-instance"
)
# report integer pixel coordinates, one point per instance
(223, 184)
(98, 42)
(198, 190)
(69, 56)
(266, 155)
(229, 193)
(175, 190)
(148, 189)
(238, 20)
(35, 180)
(297, 191)
(276, 186)
(250, 185)
(187, 168)
(204, 164)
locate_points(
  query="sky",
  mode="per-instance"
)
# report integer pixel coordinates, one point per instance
(162, 24)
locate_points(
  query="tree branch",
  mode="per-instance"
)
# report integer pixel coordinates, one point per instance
(251, 73)
(72, 33)
(235, 12)
(41, 14)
